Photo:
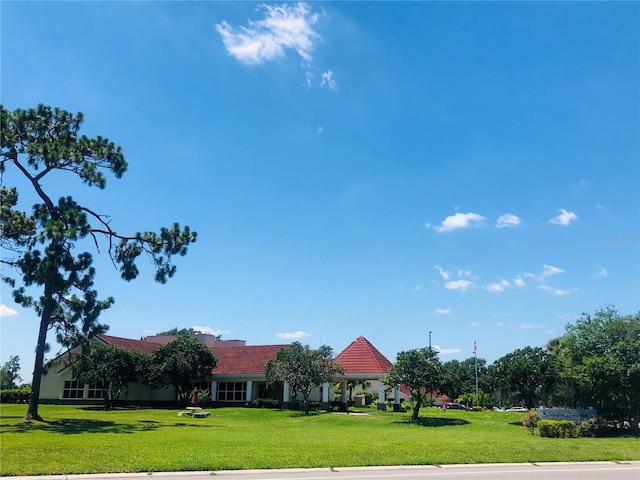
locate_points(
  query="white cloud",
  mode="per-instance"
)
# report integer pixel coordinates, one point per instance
(474, 324)
(328, 81)
(499, 324)
(507, 220)
(601, 273)
(320, 129)
(564, 218)
(210, 331)
(463, 285)
(498, 286)
(560, 293)
(293, 335)
(457, 221)
(445, 351)
(7, 311)
(284, 27)
(526, 326)
(443, 272)
(519, 282)
(550, 270)
(417, 288)
(442, 311)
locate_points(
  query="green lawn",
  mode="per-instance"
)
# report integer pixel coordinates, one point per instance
(87, 440)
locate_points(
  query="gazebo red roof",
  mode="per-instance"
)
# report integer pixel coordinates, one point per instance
(362, 357)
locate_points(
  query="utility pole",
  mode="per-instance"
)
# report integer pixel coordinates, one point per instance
(475, 354)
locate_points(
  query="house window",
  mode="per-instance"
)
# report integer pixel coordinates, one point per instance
(96, 390)
(232, 391)
(73, 389)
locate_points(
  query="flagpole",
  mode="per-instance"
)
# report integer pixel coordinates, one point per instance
(475, 354)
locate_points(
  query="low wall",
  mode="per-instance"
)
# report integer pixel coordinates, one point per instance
(571, 414)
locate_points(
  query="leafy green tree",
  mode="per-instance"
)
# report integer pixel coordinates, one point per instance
(600, 353)
(421, 371)
(521, 375)
(303, 368)
(9, 373)
(38, 144)
(184, 331)
(183, 363)
(115, 368)
(460, 377)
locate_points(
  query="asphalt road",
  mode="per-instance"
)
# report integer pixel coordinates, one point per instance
(521, 471)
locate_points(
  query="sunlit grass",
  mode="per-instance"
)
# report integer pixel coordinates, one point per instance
(88, 440)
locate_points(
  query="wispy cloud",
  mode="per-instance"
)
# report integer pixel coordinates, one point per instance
(463, 285)
(284, 27)
(328, 81)
(210, 331)
(601, 273)
(507, 220)
(563, 218)
(474, 324)
(7, 311)
(458, 221)
(443, 273)
(525, 326)
(293, 335)
(561, 293)
(446, 351)
(498, 286)
(442, 311)
(519, 282)
(550, 270)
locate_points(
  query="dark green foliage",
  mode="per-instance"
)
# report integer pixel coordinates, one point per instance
(116, 367)
(183, 363)
(183, 331)
(37, 249)
(303, 369)
(15, 395)
(9, 373)
(558, 428)
(421, 371)
(266, 403)
(599, 357)
(460, 377)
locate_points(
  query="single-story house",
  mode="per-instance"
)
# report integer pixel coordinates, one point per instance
(238, 377)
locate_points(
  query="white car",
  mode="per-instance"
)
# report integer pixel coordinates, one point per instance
(517, 409)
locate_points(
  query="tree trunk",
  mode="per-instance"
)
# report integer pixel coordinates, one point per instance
(32, 411)
(416, 409)
(305, 403)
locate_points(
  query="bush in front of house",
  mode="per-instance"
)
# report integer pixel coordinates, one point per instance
(16, 395)
(266, 403)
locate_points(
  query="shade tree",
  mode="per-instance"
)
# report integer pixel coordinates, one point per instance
(43, 250)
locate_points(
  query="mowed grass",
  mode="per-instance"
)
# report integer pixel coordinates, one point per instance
(88, 440)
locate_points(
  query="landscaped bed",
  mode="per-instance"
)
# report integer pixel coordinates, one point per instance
(89, 440)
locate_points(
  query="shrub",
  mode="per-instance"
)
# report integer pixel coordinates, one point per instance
(558, 428)
(265, 403)
(16, 395)
(530, 421)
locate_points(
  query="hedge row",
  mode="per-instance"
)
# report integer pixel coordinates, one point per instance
(15, 395)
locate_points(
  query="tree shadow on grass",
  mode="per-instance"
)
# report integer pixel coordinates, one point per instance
(75, 426)
(434, 422)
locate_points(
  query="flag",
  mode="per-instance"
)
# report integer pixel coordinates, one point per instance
(474, 349)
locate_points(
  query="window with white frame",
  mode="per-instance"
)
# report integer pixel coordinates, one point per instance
(73, 389)
(96, 390)
(232, 391)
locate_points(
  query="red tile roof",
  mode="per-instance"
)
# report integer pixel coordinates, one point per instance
(137, 345)
(243, 360)
(362, 357)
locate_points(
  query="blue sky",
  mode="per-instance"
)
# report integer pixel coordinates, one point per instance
(379, 169)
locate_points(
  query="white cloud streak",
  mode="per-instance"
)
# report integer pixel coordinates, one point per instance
(564, 218)
(293, 335)
(601, 273)
(328, 81)
(463, 285)
(7, 311)
(210, 331)
(446, 351)
(458, 221)
(442, 311)
(507, 220)
(443, 273)
(284, 27)
(498, 286)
